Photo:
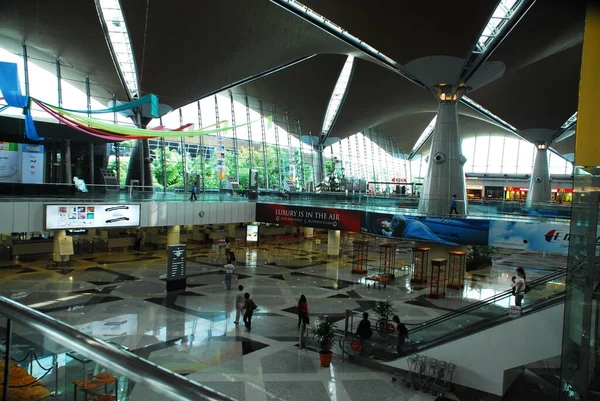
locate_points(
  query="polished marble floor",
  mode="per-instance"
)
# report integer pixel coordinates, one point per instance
(121, 297)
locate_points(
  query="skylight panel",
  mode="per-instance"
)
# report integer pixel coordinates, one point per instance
(570, 121)
(502, 13)
(337, 97)
(425, 135)
(112, 18)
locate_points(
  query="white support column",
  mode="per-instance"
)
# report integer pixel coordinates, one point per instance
(445, 175)
(309, 232)
(540, 189)
(173, 236)
(333, 242)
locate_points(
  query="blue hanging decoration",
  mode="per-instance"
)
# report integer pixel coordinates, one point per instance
(11, 91)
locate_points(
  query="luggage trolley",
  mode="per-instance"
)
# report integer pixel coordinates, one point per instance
(416, 372)
(427, 374)
(443, 381)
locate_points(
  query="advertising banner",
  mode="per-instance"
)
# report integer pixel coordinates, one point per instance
(538, 237)
(448, 231)
(252, 233)
(32, 163)
(9, 162)
(62, 217)
(302, 216)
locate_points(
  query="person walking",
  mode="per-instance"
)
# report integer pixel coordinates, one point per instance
(402, 332)
(193, 196)
(302, 310)
(453, 205)
(249, 307)
(228, 250)
(364, 332)
(229, 270)
(239, 303)
(519, 283)
(138, 240)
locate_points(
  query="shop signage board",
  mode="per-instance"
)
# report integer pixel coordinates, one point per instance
(450, 231)
(86, 216)
(301, 216)
(176, 259)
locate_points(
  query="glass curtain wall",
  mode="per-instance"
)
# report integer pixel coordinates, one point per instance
(496, 154)
(270, 143)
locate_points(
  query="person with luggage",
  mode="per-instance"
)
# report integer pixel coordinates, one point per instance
(249, 308)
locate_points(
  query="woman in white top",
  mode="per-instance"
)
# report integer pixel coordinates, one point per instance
(519, 284)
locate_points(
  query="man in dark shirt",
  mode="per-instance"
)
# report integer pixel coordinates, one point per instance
(364, 331)
(248, 308)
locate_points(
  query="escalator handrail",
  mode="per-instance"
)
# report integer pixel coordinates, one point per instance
(143, 372)
(487, 301)
(485, 324)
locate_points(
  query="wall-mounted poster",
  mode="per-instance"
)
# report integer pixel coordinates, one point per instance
(252, 233)
(9, 162)
(32, 163)
(443, 230)
(21, 162)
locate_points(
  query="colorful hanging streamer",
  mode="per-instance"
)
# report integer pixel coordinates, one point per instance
(11, 91)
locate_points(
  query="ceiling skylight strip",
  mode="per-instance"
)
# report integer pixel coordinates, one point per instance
(424, 137)
(486, 112)
(572, 120)
(338, 95)
(113, 21)
(502, 14)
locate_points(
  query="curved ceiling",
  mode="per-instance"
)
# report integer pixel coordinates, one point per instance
(406, 29)
(182, 55)
(60, 28)
(303, 90)
(543, 58)
(377, 95)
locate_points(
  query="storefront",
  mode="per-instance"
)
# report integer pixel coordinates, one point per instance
(494, 192)
(515, 193)
(561, 195)
(474, 191)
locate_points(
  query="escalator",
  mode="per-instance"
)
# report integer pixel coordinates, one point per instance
(484, 341)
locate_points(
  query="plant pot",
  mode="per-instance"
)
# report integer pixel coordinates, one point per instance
(325, 358)
(479, 264)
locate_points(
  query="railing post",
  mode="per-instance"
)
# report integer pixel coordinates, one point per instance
(346, 323)
(7, 360)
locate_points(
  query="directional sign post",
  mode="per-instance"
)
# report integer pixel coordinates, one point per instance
(176, 267)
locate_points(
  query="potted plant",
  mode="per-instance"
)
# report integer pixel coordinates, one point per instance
(384, 309)
(480, 256)
(324, 332)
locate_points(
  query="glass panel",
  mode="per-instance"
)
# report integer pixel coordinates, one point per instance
(496, 147)
(480, 159)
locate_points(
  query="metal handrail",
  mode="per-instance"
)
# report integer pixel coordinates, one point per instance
(141, 371)
(485, 302)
